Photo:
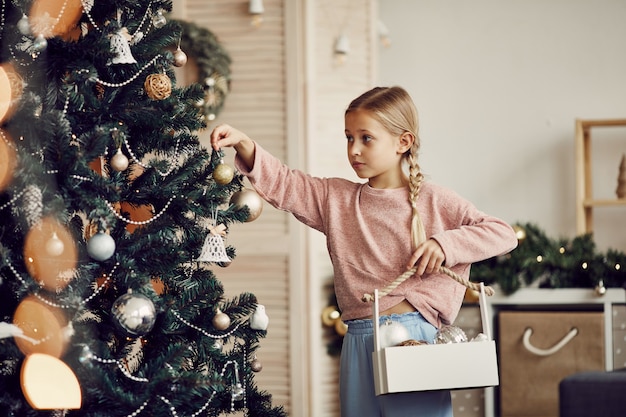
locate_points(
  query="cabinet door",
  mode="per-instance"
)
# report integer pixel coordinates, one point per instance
(537, 350)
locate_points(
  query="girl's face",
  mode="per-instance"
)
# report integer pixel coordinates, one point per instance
(374, 152)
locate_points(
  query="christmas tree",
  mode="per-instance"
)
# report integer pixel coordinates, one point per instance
(114, 220)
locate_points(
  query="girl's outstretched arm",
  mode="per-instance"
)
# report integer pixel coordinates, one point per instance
(227, 136)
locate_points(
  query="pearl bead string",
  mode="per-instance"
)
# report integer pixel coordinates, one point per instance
(63, 306)
(130, 80)
(2, 11)
(87, 8)
(143, 222)
(145, 166)
(13, 200)
(120, 365)
(201, 330)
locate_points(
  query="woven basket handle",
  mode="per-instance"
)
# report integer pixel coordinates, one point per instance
(409, 273)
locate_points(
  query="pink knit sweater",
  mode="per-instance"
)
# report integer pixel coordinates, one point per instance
(369, 238)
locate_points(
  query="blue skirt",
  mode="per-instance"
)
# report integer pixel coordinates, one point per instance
(356, 384)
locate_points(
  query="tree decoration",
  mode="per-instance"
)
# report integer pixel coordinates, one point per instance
(180, 57)
(119, 162)
(158, 86)
(223, 173)
(213, 62)
(134, 313)
(221, 321)
(101, 246)
(248, 199)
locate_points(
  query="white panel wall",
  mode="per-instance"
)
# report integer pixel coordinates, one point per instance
(498, 85)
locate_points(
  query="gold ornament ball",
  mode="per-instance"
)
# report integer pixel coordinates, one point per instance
(221, 321)
(250, 199)
(223, 174)
(180, 58)
(256, 365)
(119, 162)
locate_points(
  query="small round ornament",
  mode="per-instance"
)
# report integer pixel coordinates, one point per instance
(237, 392)
(250, 199)
(180, 57)
(158, 20)
(221, 321)
(23, 25)
(450, 334)
(134, 313)
(119, 162)
(158, 86)
(101, 246)
(256, 365)
(54, 245)
(223, 173)
(259, 319)
(48, 269)
(392, 333)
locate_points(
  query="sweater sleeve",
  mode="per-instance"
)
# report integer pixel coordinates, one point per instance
(477, 236)
(287, 189)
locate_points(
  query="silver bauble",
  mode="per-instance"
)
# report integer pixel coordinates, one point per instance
(134, 313)
(101, 246)
(180, 58)
(450, 334)
(250, 199)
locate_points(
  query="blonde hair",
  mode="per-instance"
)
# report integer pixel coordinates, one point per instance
(394, 109)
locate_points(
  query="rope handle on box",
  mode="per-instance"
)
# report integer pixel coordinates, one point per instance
(410, 272)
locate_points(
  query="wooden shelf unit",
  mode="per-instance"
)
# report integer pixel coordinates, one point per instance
(585, 203)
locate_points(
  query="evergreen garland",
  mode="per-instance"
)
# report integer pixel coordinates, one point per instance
(552, 263)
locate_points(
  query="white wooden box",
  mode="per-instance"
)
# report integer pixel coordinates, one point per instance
(437, 366)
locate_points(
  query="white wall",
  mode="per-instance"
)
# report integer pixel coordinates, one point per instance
(498, 85)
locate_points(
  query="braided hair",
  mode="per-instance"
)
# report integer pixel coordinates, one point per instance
(395, 110)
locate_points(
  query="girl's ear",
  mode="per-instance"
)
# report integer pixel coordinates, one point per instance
(406, 141)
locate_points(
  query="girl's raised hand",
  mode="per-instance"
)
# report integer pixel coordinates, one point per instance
(226, 136)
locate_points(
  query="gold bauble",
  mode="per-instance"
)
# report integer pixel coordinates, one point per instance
(180, 58)
(221, 321)
(223, 174)
(250, 199)
(158, 86)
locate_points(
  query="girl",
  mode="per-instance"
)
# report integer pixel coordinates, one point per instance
(374, 233)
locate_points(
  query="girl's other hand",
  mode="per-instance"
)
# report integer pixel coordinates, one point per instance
(428, 258)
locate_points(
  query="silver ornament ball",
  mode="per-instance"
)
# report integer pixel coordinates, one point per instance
(101, 246)
(450, 334)
(134, 313)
